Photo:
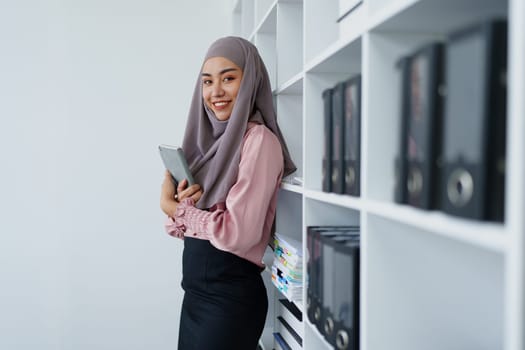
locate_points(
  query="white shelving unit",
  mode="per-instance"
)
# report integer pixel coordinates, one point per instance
(428, 280)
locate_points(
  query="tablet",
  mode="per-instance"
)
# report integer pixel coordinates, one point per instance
(176, 163)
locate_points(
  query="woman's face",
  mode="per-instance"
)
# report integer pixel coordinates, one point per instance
(221, 79)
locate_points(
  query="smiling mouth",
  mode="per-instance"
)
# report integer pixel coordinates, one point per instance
(220, 104)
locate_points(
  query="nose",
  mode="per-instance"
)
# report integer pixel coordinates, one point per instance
(217, 90)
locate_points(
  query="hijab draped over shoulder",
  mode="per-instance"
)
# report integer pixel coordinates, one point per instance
(213, 147)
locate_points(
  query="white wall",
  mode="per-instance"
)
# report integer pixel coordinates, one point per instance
(88, 88)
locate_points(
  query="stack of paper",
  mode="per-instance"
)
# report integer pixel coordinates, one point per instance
(287, 268)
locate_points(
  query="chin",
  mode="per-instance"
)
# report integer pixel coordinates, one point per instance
(222, 116)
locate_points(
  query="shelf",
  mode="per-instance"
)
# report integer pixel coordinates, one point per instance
(491, 236)
(434, 16)
(418, 267)
(293, 86)
(320, 26)
(429, 292)
(299, 305)
(381, 10)
(337, 57)
(289, 41)
(339, 62)
(269, 21)
(291, 188)
(317, 339)
(488, 235)
(246, 20)
(341, 200)
(236, 6)
(264, 37)
(268, 259)
(320, 209)
(289, 204)
(289, 110)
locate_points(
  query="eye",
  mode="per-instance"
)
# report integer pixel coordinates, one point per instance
(206, 82)
(228, 79)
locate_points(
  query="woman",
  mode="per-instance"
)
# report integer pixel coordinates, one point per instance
(237, 156)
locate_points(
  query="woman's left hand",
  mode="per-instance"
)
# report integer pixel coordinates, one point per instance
(168, 192)
(170, 196)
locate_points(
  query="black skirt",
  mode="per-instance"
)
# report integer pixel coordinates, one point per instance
(225, 301)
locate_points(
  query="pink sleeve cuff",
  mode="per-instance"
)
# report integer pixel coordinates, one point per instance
(192, 221)
(172, 229)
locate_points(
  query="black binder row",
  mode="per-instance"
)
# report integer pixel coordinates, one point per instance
(333, 283)
(453, 120)
(342, 137)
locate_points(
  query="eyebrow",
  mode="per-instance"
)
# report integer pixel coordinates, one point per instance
(226, 70)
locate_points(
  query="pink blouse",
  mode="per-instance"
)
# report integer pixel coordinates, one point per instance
(242, 225)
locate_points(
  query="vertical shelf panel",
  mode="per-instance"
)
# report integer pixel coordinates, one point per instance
(289, 41)
(383, 108)
(289, 115)
(289, 216)
(515, 186)
(288, 223)
(261, 8)
(315, 84)
(428, 292)
(237, 19)
(247, 18)
(266, 42)
(266, 45)
(320, 26)
(337, 67)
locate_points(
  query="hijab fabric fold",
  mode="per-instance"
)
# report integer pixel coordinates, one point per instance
(213, 147)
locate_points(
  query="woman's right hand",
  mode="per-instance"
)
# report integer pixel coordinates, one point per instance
(193, 191)
(170, 196)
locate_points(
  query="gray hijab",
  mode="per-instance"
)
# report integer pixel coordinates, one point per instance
(213, 147)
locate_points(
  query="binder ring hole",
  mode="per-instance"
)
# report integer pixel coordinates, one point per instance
(342, 340)
(329, 326)
(317, 313)
(415, 181)
(460, 187)
(350, 176)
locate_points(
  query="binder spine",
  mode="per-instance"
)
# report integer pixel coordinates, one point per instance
(474, 167)
(423, 143)
(338, 142)
(352, 138)
(400, 167)
(496, 152)
(327, 153)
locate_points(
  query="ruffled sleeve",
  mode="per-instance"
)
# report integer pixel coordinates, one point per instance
(238, 224)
